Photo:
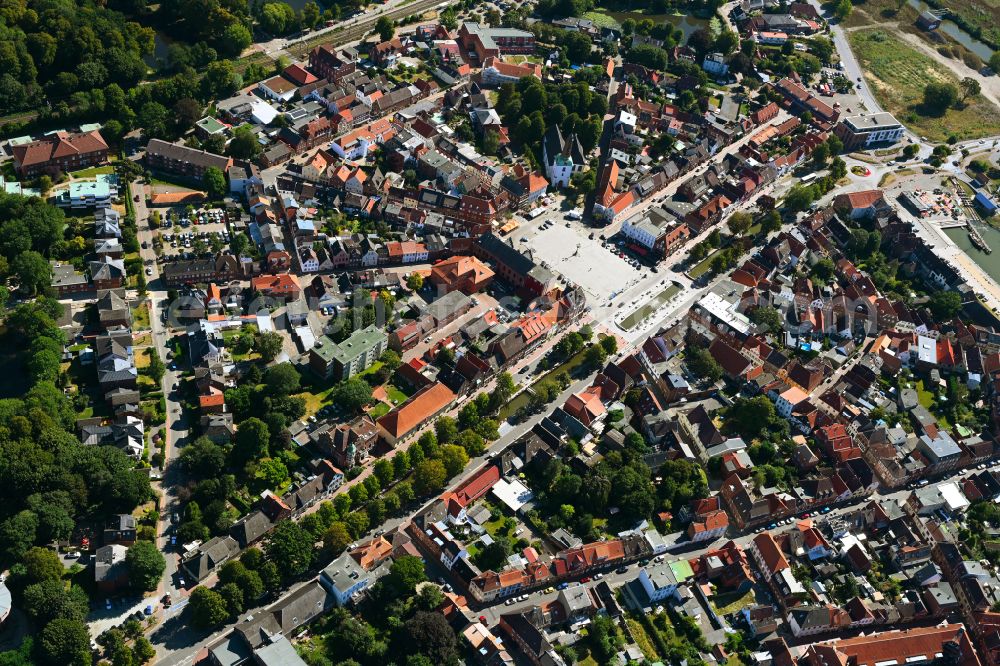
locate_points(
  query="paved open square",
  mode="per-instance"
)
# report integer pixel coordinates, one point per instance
(583, 261)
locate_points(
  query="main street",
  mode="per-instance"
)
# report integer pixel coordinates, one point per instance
(176, 427)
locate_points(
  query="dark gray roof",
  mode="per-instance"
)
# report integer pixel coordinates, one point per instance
(175, 151)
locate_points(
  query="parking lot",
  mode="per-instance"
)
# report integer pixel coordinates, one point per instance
(185, 235)
(597, 268)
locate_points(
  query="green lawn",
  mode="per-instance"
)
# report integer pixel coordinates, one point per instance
(395, 395)
(370, 369)
(631, 321)
(180, 183)
(314, 400)
(702, 268)
(898, 74)
(92, 171)
(731, 602)
(380, 410)
(924, 397)
(642, 639)
(140, 317)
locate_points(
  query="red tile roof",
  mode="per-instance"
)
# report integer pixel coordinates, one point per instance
(424, 404)
(512, 70)
(860, 200)
(774, 559)
(60, 144)
(475, 486)
(923, 644)
(282, 283)
(214, 399)
(458, 269)
(295, 72)
(585, 406)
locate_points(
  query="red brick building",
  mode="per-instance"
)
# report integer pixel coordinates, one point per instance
(60, 152)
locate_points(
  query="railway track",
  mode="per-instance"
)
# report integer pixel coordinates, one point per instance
(351, 33)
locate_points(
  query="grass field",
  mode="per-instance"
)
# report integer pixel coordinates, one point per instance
(140, 317)
(642, 639)
(379, 410)
(898, 75)
(702, 267)
(730, 603)
(314, 401)
(397, 396)
(93, 171)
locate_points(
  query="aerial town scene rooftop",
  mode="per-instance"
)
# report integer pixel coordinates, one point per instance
(507, 332)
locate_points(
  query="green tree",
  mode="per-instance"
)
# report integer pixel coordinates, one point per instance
(42, 564)
(18, 533)
(415, 281)
(739, 223)
(244, 144)
(233, 596)
(405, 574)
(823, 270)
(446, 429)
(234, 39)
(382, 470)
(336, 539)
(214, 182)
(502, 391)
(770, 222)
(940, 96)
(52, 599)
(143, 650)
(352, 394)
(970, 87)
(609, 344)
(454, 459)
(271, 472)
(146, 565)
(208, 607)
(154, 119)
(311, 15)
(767, 318)
(277, 18)
(203, 458)
(429, 477)
(578, 46)
(155, 369)
(701, 363)
(799, 197)
(291, 548)
(33, 271)
(432, 636)
(595, 356)
(268, 345)
(752, 417)
(944, 305)
(385, 27)
(252, 438)
(282, 379)
(65, 643)
(843, 9)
